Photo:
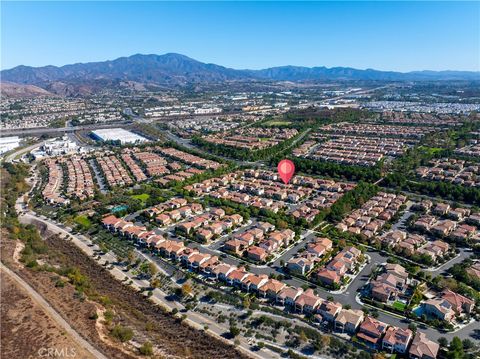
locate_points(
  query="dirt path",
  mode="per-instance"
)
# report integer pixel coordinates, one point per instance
(38, 299)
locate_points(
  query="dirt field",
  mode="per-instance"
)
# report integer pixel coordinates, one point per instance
(25, 321)
(174, 339)
(171, 338)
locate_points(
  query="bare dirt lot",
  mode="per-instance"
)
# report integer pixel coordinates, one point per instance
(23, 320)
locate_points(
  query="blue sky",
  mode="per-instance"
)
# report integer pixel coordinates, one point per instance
(382, 35)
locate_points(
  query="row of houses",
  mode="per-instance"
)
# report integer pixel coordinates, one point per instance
(471, 150)
(474, 271)
(390, 284)
(445, 210)
(204, 225)
(357, 150)
(410, 244)
(303, 196)
(306, 260)
(208, 225)
(364, 129)
(372, 216)
(179, 176)
(345, 262)
(134, 168)
(259, 242)
(188, 158)
(162, 169)
(155, 164)
(452, 170)
(304, 149)
(417, 118)
(252, 138)
(374, 333)
(445, 228)
(168, 217)
(80, 181)
(52, 191)
(113, 171)
(443, 220)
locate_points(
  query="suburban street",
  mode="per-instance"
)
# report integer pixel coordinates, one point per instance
(471, 331)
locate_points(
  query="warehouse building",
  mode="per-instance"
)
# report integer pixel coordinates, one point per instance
(118, 135)
(8, 143)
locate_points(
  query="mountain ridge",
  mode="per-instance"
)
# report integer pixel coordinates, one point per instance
(178, 70)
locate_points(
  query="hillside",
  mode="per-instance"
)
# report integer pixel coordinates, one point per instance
(179, 70)
(13, 90)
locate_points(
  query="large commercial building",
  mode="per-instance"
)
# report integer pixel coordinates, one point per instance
(118, 135)
(57, 147)
(8, 143)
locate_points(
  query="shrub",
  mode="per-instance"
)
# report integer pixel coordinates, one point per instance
(108, 316)
(124, 334)
(146, 348)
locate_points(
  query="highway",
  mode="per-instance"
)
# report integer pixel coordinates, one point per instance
(46, 130)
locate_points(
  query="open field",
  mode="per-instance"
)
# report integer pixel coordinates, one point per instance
(23, 320)
(277, 123)
(142, 197)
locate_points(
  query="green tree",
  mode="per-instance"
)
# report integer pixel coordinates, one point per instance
(234, 331)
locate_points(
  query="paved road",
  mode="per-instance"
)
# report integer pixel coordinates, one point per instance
(22, 151)
(294, 250)
(44, 130)
(100, 181)
(53, 313)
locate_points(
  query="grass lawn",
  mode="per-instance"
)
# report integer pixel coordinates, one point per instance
(83, 221)
(431, 150)
(142, 197)
(277, 123)
(399, 305)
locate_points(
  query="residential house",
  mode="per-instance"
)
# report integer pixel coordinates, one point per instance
(222, 270)
(301, 265)
(371, 331)
(320, 246)
(397, 340)
(348, 320)
(439, 308)
(460, 304)
(271, 288)
(329, 310)
(110, 221)
(253, 282)
(328, 276)
(234, 245)
(236, 277)
(307, 302)
(288, 296)
(256, 253)
(423, 348)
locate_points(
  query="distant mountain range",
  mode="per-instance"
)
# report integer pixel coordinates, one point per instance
(178, 70)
